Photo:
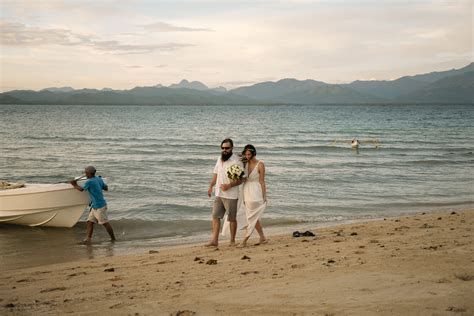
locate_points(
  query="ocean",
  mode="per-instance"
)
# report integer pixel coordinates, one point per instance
(158, 162)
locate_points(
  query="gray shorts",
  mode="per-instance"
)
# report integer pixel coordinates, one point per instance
(221, 205)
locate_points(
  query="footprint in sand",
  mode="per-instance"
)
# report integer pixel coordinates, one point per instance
(464, 276)
(249, 272)
(185, 313)
(53, 289)
(25, 280)
(77, 274)
(456, 309)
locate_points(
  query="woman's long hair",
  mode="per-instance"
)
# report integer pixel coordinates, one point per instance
(251, 149)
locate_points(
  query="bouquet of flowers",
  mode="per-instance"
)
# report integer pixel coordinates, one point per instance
(235, 173)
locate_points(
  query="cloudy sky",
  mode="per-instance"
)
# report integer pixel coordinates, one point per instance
(123, 44)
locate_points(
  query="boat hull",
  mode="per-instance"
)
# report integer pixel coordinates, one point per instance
(52, 205)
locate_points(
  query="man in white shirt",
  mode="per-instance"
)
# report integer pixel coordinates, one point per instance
(226, 193)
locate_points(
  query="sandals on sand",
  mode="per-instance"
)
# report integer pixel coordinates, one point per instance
(305, 234)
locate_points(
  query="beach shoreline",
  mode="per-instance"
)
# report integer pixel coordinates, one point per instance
(417, 264)
(28, 247)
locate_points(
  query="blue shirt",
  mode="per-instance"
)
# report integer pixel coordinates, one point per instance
(94, 186)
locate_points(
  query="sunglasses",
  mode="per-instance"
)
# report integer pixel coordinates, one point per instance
(226, 148)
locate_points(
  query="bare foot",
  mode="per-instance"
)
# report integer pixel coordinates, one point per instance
(242, 245)
(232, 244)
(262, 242)
(86, 242)
(211, 244)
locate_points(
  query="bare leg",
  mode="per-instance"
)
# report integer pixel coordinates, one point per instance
(109, 230)
(259, 229)
(243, 243)
(233, 232)
(216, 226)
(90, 230)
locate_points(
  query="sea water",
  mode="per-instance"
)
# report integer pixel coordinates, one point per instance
(158, 162)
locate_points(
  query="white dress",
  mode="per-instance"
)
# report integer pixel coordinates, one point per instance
(251, 205)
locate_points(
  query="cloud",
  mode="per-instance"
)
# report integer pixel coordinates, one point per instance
(92, 9)
(117, 47)
(17, 34)
(234, 43)
(165, 27)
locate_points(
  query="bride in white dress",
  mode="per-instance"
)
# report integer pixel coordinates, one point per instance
(254, 195)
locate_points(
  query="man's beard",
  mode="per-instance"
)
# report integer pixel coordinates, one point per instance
(226, 156)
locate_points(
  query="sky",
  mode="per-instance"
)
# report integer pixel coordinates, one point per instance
(124, 44)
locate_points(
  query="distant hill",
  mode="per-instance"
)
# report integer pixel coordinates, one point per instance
(458, 88)
(388, 90)
(328, 94)
(196, 85)
(8, 99)
(303, 92)
(138, 95)
(219, 89)
(62, 89)
(456, 85)
(274, 90)
(30, 96)
(393, 90)
(435, 76)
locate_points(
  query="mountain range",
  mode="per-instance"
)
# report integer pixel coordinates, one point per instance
(451, 86)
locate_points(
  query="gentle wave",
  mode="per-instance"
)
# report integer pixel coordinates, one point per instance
(139, 229)
(159, 160)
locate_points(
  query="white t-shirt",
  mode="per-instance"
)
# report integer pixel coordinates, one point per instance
(221, 170)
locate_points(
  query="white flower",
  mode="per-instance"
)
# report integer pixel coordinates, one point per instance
(234, 172)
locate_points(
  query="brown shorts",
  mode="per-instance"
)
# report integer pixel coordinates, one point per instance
(221, 205)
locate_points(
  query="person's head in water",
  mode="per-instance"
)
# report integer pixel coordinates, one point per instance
(90, 172)
(226, 149)
(249, 152)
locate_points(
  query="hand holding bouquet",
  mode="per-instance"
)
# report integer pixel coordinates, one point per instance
(235, 173)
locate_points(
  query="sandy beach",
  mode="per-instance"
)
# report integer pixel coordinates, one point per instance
(411, 265)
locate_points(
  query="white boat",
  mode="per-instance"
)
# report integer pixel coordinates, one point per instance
(54, 205)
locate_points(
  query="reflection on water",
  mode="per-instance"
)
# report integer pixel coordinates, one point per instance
(94, 250)
(23, 246)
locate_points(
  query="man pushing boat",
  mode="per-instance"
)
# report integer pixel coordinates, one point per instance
(98, 211)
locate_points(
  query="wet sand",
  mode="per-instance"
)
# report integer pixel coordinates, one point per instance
(415, 265)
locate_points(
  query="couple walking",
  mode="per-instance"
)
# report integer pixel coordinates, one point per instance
(249, 202)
